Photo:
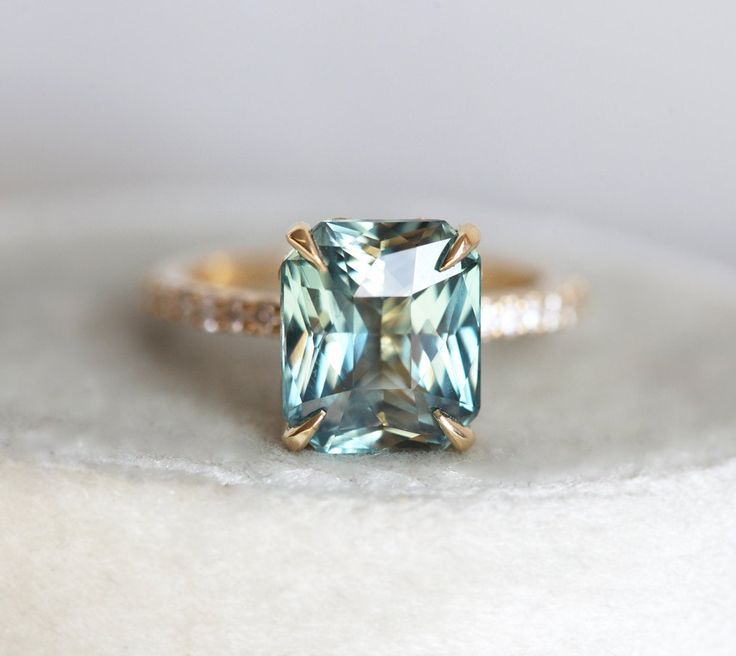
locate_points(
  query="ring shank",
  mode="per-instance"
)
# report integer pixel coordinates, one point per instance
(234, 292)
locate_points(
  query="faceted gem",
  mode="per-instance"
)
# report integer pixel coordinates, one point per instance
(382, 338)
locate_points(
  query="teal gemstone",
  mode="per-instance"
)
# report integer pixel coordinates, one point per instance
(383, 338)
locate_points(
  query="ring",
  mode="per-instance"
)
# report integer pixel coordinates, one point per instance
(381, 325)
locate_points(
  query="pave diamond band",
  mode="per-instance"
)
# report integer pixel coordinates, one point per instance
(236, 292)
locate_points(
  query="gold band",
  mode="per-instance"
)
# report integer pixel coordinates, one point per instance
(238, 293)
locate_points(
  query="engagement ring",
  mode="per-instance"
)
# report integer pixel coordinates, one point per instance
(381, 325)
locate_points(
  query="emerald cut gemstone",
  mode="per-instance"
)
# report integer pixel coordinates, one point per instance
(382, 338)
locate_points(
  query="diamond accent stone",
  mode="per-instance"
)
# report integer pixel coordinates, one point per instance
(382, 338)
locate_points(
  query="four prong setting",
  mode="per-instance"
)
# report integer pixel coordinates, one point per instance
(385, 352)
(467, 240)
(296, 438)
(460, 436)
(300, 237)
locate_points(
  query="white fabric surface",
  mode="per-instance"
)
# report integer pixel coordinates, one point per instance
(146, 505)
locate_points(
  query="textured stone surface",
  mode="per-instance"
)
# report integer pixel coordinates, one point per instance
(594, 515)
(383, 338)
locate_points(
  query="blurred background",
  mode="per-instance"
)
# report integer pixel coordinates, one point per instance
(594, 515)
(618, 114)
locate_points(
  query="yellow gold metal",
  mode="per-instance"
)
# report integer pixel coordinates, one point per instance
(237, 293)
(467, 240)
(300, 237)
(296, 438)
(461, 437)
(231, 292)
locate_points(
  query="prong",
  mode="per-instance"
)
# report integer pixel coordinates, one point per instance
(300, 237)
(461, 437)
(296, 438)
(467, 240)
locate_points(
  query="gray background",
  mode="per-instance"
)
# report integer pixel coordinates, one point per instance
(146, 504)
(617, 113)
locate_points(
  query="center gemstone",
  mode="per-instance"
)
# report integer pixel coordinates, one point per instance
(382, 338)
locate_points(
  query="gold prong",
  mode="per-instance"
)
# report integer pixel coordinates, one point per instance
(467, 240)
(300, 237)
(461, 437)
(298, 437)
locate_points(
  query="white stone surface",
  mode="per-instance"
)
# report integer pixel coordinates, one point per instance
(146, 505)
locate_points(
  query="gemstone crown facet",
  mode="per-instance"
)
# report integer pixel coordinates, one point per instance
(382, 338)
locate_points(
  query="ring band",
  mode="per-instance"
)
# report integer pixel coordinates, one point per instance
(237, 293)
(380, 321)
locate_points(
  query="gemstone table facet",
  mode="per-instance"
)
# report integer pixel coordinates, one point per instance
(382, 338)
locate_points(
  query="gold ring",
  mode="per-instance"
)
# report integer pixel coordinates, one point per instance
(381, 324)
